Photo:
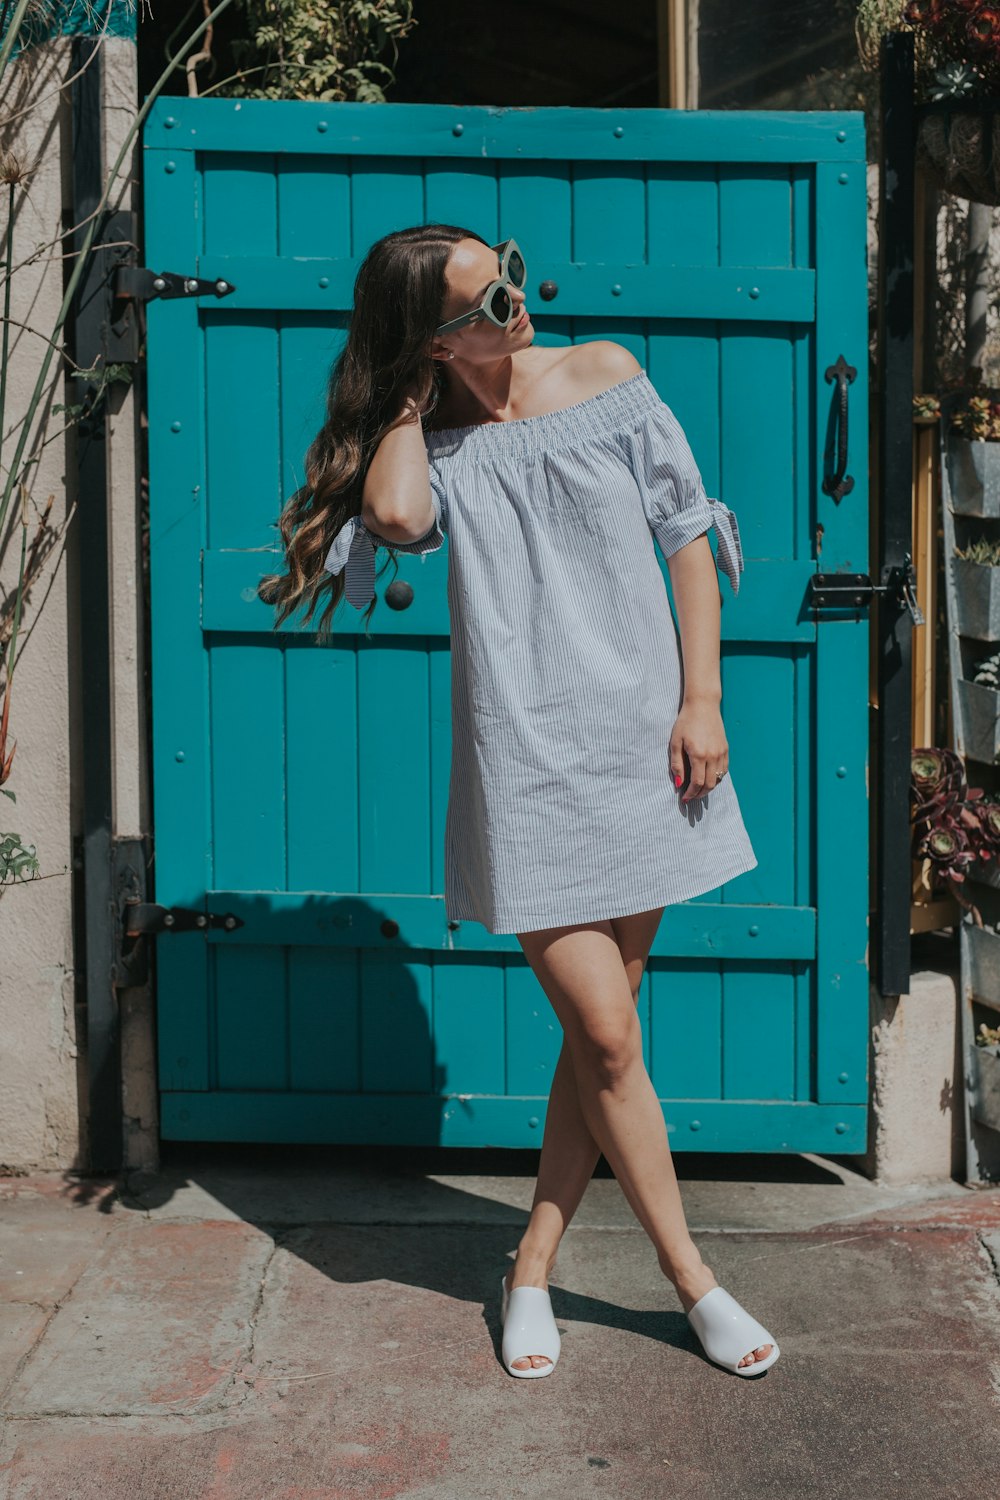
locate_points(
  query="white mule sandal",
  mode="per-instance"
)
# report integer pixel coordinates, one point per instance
(728, 1332)
(528, 1328)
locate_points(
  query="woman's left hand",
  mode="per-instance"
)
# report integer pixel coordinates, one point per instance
(698, 734)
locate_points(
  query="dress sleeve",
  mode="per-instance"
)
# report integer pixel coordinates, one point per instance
(353, 548)
(673, 494)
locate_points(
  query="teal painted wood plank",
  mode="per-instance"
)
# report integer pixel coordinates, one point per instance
(689, 929)
(397, 1026)
(241, 188)
(307, 351)
(533, 1034)
(439, 749)
(463, 193)
(321, 759)
(401, 130)
(537, 195)
(230, 602)
(178, 661)
(755, 215)
(758, 452)
(758, 711)
(385, 1119)
(615, 287)
(685, 1023)
(247, 733)
(251, 1050)
(313, 195)
(682, 213)
(387, 193)
(394, 768)
(469, 1025)
(758, 1033)
(324, 1019)
(842, 660)
(243, 428)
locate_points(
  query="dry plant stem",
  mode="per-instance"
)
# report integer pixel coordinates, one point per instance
(88, 241)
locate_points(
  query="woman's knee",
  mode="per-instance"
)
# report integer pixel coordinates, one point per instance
(606, 1047)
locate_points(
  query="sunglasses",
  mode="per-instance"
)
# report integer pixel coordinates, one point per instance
(497, 303)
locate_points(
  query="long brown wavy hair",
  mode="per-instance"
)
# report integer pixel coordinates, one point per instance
(398, 296)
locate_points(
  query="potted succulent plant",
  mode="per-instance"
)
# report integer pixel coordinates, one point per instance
(955, 828)
(974, 453)
(979, 697)
(977, 588)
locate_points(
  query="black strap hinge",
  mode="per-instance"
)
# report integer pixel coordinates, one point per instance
(141, 284)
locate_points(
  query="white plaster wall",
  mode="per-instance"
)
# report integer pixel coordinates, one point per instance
(43, 1077)
(39, 1056)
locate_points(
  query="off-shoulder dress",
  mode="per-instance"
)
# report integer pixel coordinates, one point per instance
(566, 669)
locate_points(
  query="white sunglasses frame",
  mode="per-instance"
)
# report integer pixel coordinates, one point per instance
(505, 249)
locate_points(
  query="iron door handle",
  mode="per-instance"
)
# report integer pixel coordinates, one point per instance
(839, 483)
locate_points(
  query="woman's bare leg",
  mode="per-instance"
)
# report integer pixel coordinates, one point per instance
(584, 971)
(569, 1152)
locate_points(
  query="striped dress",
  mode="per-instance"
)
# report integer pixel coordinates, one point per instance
(566, 672)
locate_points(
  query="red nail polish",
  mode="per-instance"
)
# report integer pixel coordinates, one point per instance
(677, 779)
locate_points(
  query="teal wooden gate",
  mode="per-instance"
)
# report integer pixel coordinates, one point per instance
(304, 788)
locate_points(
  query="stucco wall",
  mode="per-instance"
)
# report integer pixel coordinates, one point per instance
(43, 1076)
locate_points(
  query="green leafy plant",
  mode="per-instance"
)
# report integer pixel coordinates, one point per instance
(956, 43)
(317, 49)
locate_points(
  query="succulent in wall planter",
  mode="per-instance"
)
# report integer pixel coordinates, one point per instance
(979, 697)
(955, 828)
(977, 589)
(974, 454)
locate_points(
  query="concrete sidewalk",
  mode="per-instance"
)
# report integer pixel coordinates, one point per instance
(314, 1323)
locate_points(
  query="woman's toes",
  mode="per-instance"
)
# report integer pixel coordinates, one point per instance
(530, 1361)
(761, 1353)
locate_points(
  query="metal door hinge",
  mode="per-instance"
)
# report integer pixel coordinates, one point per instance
(854, 590)
(149, 916)
(136, 919)
(141, 284)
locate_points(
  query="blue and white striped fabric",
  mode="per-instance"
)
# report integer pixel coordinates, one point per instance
(566, 669)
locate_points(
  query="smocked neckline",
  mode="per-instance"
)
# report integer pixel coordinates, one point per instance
(518, 434)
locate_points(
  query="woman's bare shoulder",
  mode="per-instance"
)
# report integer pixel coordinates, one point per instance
(601, 363)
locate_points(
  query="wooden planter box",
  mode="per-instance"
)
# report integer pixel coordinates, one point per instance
(977, 597)
(974, 477)
(980, 709)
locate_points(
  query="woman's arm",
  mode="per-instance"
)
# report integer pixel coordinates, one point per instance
(698, 730)
(396, 502)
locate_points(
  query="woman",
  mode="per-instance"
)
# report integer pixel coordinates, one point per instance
(550, 470)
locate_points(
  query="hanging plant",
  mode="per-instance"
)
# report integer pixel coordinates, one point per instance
(957, 81)
(958, 133)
